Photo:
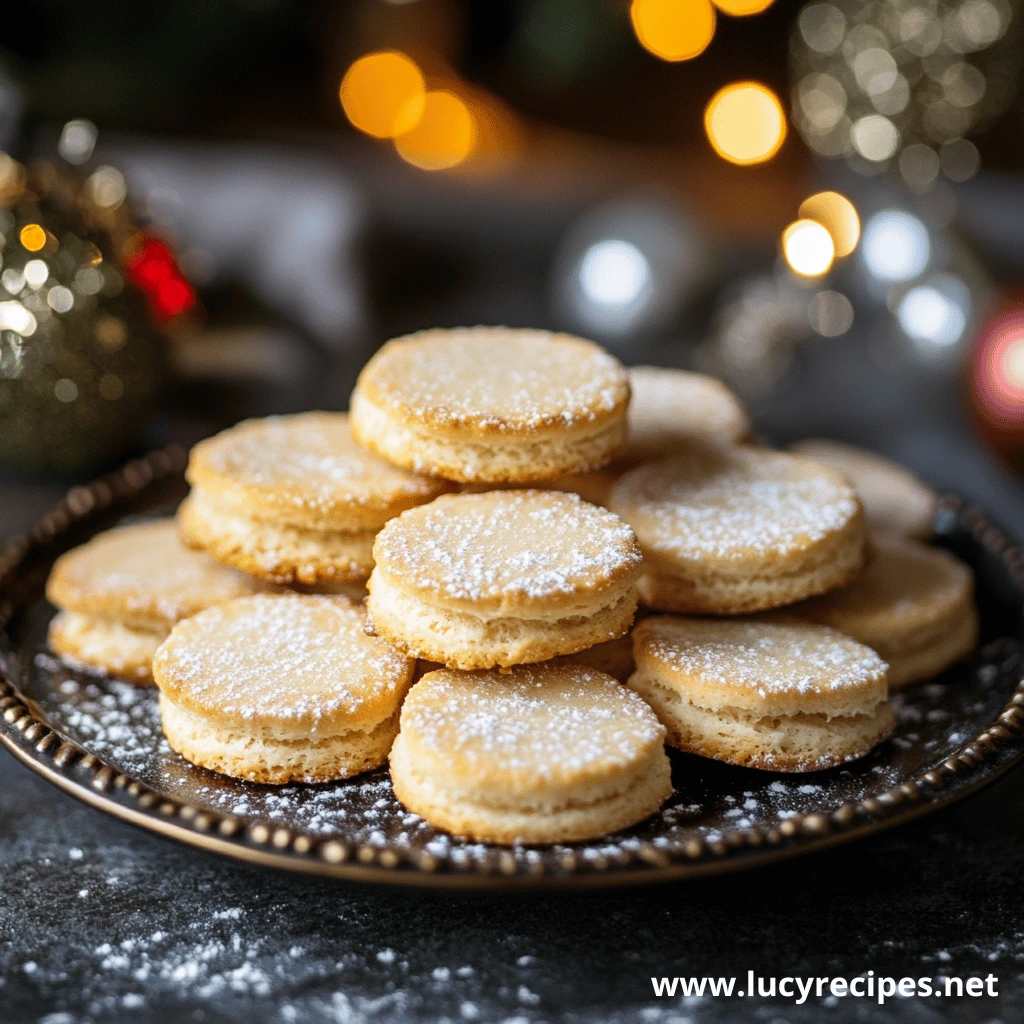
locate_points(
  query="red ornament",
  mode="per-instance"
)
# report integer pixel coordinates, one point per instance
(151, 267)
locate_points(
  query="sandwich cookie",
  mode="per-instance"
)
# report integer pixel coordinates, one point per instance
(772, 692)
(503, 578)
(542, 754)
(280, 688)
(670, 408)
(293, 499)
(913, 604)
(730, 530)
(120, 594)
(894, 500)
(492, 404)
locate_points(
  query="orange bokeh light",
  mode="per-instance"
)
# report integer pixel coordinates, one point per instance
(741, 8)
(443, 137)
(745, 123)
(383, 94)
(32, 237)
(673, 29)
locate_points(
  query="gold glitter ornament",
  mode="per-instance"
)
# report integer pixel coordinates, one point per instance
(80, 359)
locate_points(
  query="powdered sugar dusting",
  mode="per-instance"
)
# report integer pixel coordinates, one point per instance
(532, 544)
(145, 570)
(729, 503)
(549, 723)
(762, 656)
(497, 378)
(299, 658)
(309, 460)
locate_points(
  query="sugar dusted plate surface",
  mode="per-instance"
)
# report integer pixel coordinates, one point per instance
(100, 739)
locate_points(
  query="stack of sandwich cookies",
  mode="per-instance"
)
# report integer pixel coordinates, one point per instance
(542, 754)
(293, 499)
(913, 605)
(492, 405)
(894, 500)
(771, 692)
(503, 578)
(120, 595)
(731, 530)
(284, 688)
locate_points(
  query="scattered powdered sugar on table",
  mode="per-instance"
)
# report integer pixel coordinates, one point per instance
(120, 724)
(531, 544)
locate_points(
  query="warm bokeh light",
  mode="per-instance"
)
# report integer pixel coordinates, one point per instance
(808, 248)
(444, 135)
(837, 215)
(673, 29)
(33, 237)
(741, 8)
(498, 139)
(998, 378)
(383, 94)
(745, 123)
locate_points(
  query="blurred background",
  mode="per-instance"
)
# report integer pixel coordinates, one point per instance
(212, 209)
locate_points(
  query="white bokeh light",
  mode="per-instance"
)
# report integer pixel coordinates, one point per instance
(931, 317)
(614, 273)
(895, 246)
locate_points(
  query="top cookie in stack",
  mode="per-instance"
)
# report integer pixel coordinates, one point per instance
(492, 405)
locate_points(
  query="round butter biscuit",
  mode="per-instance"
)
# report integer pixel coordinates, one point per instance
(541, 754)
(492, 404)
(121, 593)
(732, 530)
(281, 688)
(503, 578)
(294, 499)
(772, 692)
(913, 604)
(894, 500)
(669, 408)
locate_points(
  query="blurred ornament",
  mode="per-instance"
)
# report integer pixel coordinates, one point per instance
(755, 332)
(877, 80)
(80, 360)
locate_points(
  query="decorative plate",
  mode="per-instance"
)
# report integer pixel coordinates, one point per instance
(99, 739)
